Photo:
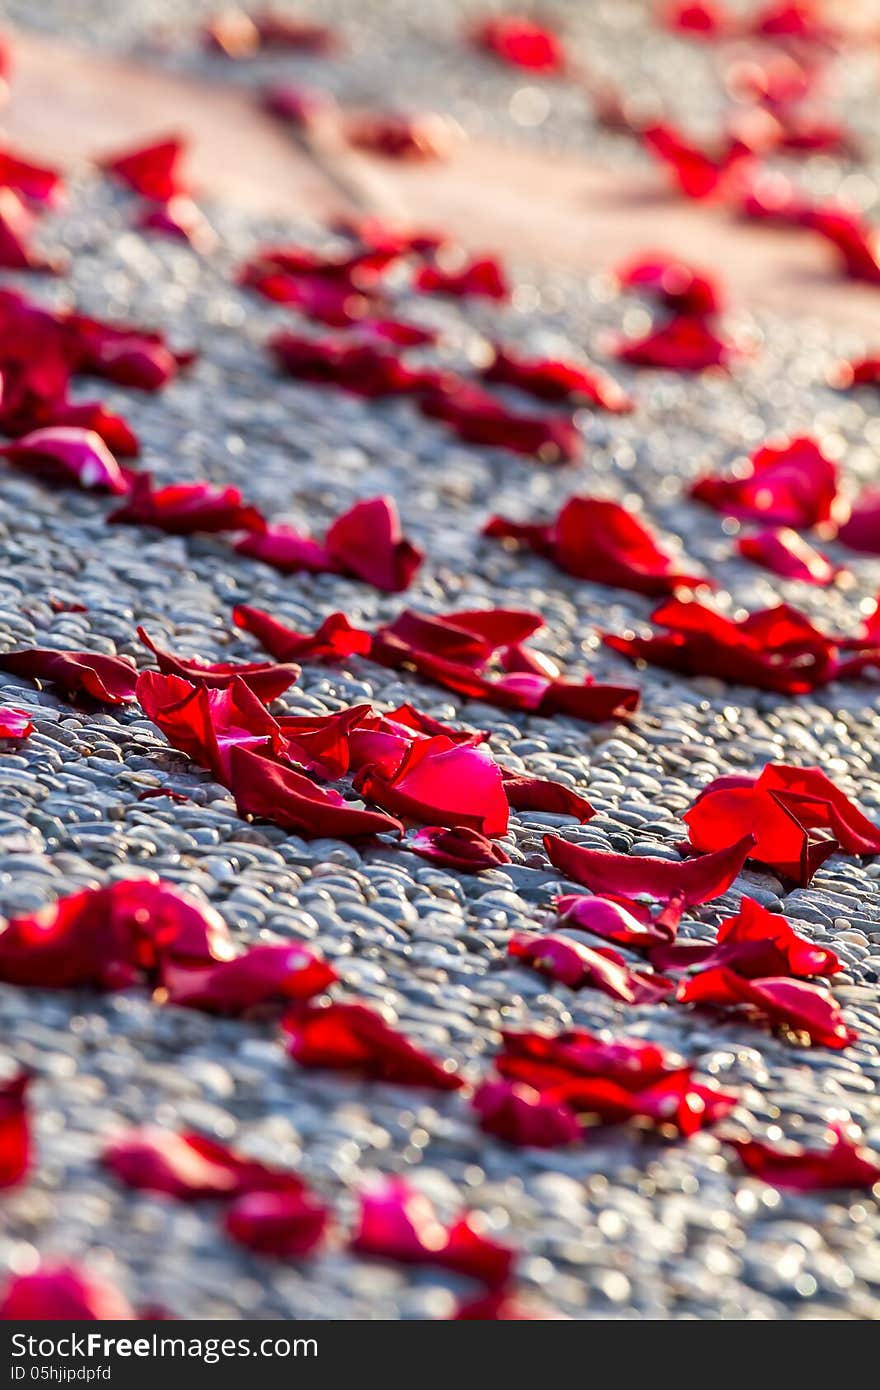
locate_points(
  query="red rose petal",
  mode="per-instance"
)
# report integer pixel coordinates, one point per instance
(629, 876)
(67, 455)
(152, 170)
(520, 43)
(268, 973)
(791, 485)
(353, 1037)
(190, 1167)
(62, 1293)
(683, 344)
(577, 966)
(519, 1115)
(603, 542)
(843, 1164)
(285, 1224)
(270, 791)
(15, 723)
(553, 380)
(182, 509)
(264, 679)
(799, 1008)
(398, 1223)
(15, 1140)
(108, 679)
(784, 552)
(458, 848)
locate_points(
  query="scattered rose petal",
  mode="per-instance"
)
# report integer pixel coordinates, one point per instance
(207, 723)
(526, 793)
(15, 1139)
(285, 1224)
(264, 679)
(520, 1115)
(268, 790)
(842, 1164)
(301, 107)
(629, 876)
(65, 454)
(796, 815)
(754, 943)
(792, 485)
(268, 973)
(189, 1166)
(182, 219)
(802, 1010)
(600, 541)
(62, 1293)
(354, 1037)
(15, 723)
(552, 380)
(775, 649)
(784, 552)
(521, 43)
(477, 417)
(398, 1223)
(481, 279)
(153, 171)
(458, 848)
(697, 173)
(673, 283)
(416, 138)
(861, 530)
(613, 1082)
(683, 344)
(441, 782)
(623, 923)
(108, 679)
(570, 963)
(182, 509)
(16, 225)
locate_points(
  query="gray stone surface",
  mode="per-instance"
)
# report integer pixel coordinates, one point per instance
(626, 1226)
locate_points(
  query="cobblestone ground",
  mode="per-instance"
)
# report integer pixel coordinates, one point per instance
(625, 1226)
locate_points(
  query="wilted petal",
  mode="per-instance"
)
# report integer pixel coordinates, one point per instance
(353, 1037)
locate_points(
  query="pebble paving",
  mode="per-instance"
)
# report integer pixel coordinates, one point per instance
(625, 1226)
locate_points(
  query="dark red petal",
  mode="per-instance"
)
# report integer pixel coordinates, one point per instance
(520, 1115)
